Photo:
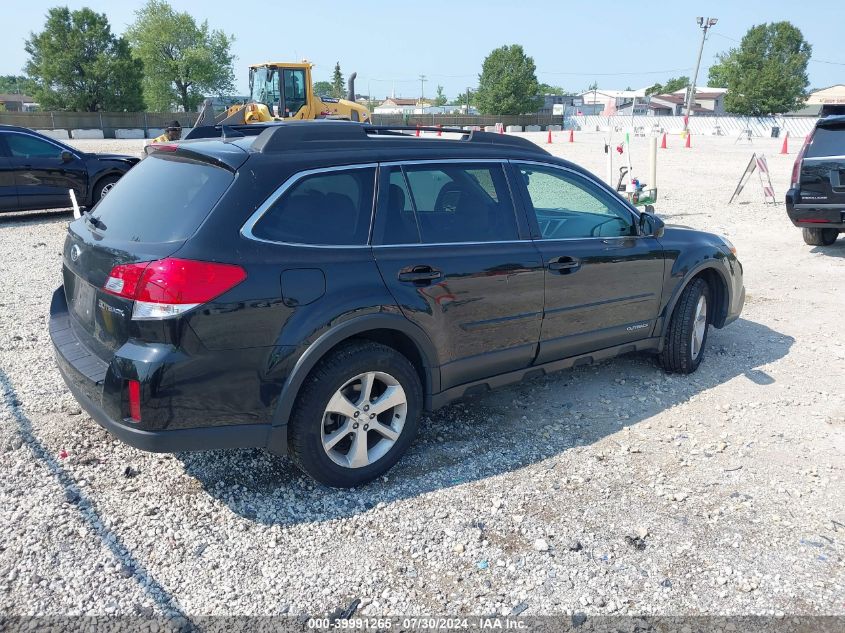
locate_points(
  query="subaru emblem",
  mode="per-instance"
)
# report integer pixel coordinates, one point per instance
(75, 252)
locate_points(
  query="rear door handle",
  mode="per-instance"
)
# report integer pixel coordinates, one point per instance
(419, 274)
(564, 264)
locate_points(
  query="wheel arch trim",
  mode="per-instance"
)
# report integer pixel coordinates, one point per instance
(691, 274)
(349, 329)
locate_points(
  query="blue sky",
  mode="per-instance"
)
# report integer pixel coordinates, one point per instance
(389, 44)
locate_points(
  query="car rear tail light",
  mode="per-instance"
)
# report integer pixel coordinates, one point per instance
(796, 166)
(135, 400)
(170, 287)
(813, 220)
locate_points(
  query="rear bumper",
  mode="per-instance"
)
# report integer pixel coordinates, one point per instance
(809, 216)
(85, 375)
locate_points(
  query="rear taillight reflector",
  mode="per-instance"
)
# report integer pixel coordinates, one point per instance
(813, 220)
(135, 400)
(170, 287)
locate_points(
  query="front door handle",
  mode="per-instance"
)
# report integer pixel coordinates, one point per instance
(564, 264)
(418, 274)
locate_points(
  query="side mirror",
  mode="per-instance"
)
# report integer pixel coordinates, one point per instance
(66, 156)
(650, 224)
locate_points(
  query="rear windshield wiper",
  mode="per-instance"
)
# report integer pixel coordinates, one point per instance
(78, 213)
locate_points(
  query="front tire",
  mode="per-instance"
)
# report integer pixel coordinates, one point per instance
(686, 338)
(356, 414)
(819, 237)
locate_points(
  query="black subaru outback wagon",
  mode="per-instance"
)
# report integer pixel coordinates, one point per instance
(313, 287)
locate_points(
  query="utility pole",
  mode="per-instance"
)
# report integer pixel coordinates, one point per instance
(422, 89)
(704, 24)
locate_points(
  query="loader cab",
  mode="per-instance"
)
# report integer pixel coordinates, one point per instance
(283, 89)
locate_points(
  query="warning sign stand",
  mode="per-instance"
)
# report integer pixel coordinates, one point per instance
(759, 163)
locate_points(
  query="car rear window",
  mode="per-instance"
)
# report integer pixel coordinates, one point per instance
(161, 199)
(827, 142)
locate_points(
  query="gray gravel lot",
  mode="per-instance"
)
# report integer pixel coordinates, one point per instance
(606, 489)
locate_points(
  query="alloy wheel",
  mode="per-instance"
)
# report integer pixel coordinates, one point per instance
(364, 419)
(699, 326)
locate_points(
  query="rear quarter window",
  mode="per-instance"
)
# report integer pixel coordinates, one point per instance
(326, 208)
(161, 199)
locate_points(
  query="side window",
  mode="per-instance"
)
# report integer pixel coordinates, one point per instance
(24, 146)
(449, 203)
(400, 222)
(331, 208)
(568, 206)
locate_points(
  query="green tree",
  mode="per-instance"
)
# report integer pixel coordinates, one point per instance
(440, 99)
(323, 88)
(508, 82)
(767, 73)
(76, 63)
(671, 85)
(183, 61)
(547, 89)
(337, 82)
(593, 86)
(17, 84)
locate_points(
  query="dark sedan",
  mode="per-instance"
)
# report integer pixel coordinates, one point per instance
(37, 171)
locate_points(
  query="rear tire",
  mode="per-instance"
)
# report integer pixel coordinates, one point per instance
(686, 338)
(103, 186)
(819, 237)
(379, 391)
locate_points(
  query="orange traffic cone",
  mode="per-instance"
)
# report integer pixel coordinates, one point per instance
(663, 142)
(571, 136)
(687, 144)
(418, 130)
(784, 149)
(501, 128)
(439, 130)
(549, 140)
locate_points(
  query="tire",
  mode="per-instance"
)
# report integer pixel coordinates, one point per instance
(103, 187)
(322, 443)
(819, 237)
(686, 342)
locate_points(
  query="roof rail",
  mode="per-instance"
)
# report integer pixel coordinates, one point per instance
(228, 131)
(278, 136)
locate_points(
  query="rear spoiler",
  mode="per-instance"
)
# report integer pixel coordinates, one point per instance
(227, 156)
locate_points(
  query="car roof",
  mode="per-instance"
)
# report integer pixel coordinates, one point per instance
(833, 121)
(319, 143)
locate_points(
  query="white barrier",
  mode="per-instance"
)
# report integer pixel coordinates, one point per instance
(60, 135)
(87, 133)
(513, 128)
(154, 131)
(532, 128)
(129, 133)
(490, 128)
(555, 128)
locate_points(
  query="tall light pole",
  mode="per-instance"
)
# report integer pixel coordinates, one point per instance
(704, 24)
(422, 89)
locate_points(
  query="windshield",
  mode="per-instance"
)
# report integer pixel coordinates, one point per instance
(265, 86)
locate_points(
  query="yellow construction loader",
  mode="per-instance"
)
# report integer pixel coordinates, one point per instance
(282, 91)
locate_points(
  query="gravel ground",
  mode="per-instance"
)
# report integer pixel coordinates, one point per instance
(606, 489)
